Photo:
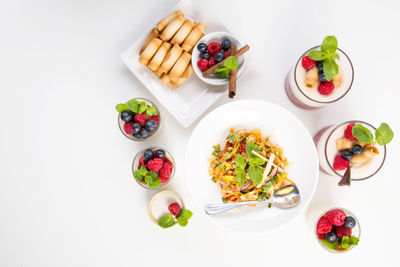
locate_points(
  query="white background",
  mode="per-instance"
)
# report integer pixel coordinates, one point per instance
(67, 197)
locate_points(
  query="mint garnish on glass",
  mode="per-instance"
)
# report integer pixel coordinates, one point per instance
(327, 55)
(383, 135)
(224, 70)
(182, 219)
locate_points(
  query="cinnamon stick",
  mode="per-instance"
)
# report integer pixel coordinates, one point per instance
(240, 52)
(232, 77)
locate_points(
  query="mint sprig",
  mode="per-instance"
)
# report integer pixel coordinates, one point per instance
(149, 177)
(137, 107)
(182, 219)
(166, 221)
(362, 134)
(224, 70)
(327, 55)
(383, 135)
(256, 174)
(240, 166)
(348, 241)
(253, 160)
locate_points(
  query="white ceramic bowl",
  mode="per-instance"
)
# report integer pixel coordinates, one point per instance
(216, 37)
(286, 130)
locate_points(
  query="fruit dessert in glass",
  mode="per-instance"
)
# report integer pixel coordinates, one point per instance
(350, 147)
(338, 230)
(323, 75)
(153, 168)
(138, 119)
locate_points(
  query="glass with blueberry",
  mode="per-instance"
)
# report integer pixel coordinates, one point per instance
(138, 119)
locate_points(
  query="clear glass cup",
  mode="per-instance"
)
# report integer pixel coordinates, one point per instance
(356, 230)
(135, 166)
(121, 123)
(309, 98)
(325, 141)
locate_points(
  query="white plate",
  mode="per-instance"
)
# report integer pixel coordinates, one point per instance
(287, 131)
(193, 98)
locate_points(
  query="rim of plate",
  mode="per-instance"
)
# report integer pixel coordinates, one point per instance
(316, 167)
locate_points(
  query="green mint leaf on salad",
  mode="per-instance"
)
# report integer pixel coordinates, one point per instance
(213, 179)
(253, 159)
(240, 176)
(332, 246)
(384, 134)
(183, 217)
(121, 107)
(166, 221)
(240, 162)
(151, 111)
(362, 134)
(224, 200)
(256, 174)
(231, 138)
(133, 105)
(329, 45)
(140, 173)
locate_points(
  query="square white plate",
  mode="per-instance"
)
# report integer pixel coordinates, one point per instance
(192, 99)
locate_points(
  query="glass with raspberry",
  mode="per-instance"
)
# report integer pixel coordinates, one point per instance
(153, 168)
(338, 149)
(138, 119)
(338, 230)
(313, 84)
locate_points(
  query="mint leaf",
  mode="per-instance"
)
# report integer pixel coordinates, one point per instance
(154, 182)
(317, 55)
(345, 242)
(240, 162)
(133, 105)
(151, 111)
(213, 179)
(329, 45)
(166, 221)
(336, 55)
(256, 175)
(330, 245)
(222, 72)
(231, 138)
(383, 135)
(224, 200)
(331, 69)
(184, 217)
(354, 240)
(240, 176)
(121, 107)
(253, 159)
(231, 63)
(148, 179)
(362, 134)
(140, 173)
(142, 108)
(267, 186)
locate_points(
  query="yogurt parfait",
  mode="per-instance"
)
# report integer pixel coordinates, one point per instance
(322, 75)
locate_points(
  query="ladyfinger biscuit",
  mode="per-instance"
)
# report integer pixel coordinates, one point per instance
(179, 67)
(193, 37)
(167, 20)
(158, 58)
(149, 51)
(152, 34)
(172, 28)
(170, 59)
(183, 32)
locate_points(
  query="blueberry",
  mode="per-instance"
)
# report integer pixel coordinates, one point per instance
(226, 44)
(136, 128)
(357, 150)
(144, 133)
(148, 155)
(319, 65)
(205, 55)
(349, 222)
(331, 237)
(127, 115)
(219, 56)
(321, 76)
(160, 154)
(202, 47)
(150, 125)
(347, 154)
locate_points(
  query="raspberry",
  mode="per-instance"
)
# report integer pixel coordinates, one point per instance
(174, 209)
(307, 62)
(142, 163)
(326, 88)
(340, 164)
(213, 48)
(202, 64)
(321, 236)
(342, 231)
(165, 172)
(348, 132)
(227, 54)
(140, 118)
(242, 148)
(211, 62)
(323, 226)
(128, 127)
(155, 165)
(155, 118)
(336, 217)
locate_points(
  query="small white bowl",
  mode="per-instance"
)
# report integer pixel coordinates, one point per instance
(216, 37)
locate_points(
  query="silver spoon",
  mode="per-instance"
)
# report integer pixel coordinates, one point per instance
(285, 197)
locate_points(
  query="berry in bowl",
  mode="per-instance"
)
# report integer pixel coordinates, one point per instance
(138, 119)
(338, 230)
(216, 55)
(153, 168)
(323, 75)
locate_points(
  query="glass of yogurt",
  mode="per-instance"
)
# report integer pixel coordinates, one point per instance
(305, 95)
(330, 141)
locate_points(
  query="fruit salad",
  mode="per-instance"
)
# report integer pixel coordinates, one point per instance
(338, 230)
(153, 168)
(138, 119)
(213, 53)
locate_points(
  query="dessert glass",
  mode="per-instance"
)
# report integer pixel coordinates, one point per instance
(325, 140)
(158, 204)
(135, 165)
(356, 230)
(309, 98)
(121, 123)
